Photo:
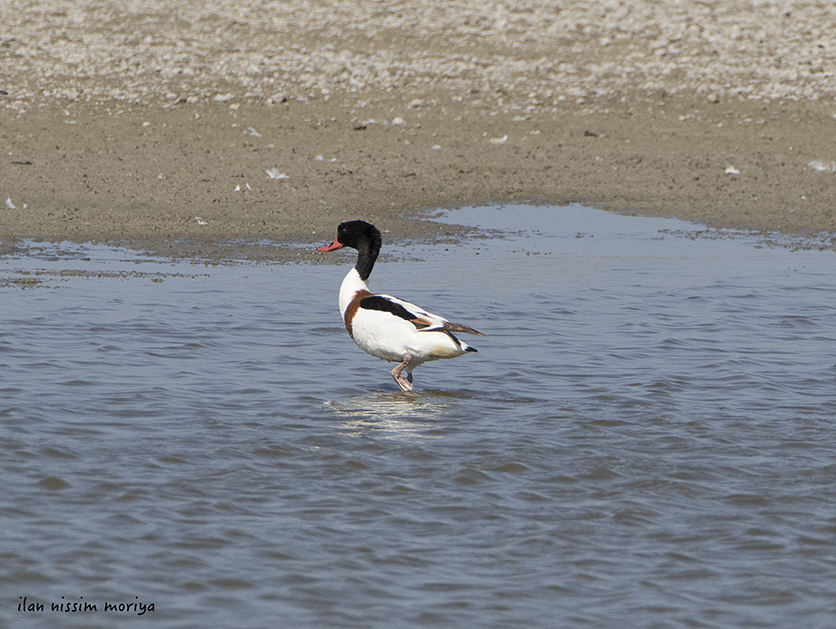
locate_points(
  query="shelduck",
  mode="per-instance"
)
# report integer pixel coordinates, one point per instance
(384, 326)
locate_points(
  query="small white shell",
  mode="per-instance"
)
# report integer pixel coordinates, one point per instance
(822, 167)
(274, 173)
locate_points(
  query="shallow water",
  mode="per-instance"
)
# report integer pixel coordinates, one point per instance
(645, 438)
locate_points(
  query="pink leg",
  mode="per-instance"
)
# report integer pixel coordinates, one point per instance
(404, 382)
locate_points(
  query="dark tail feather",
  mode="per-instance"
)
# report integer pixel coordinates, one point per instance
(458, 327)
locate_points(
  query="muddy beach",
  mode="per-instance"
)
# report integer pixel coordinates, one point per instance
(181, 128)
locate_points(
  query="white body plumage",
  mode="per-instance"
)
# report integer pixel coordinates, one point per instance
(389, 336)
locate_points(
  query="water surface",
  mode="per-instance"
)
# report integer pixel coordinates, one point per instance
(645, 438)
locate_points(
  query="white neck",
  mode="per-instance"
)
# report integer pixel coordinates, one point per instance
(351, 284)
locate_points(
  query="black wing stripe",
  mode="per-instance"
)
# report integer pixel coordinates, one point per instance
(376, 302)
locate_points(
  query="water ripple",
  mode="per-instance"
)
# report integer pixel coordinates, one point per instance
(644, 439)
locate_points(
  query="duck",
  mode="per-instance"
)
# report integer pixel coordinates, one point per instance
(387, 327)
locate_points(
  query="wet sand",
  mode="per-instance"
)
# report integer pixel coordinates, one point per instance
(179, 129)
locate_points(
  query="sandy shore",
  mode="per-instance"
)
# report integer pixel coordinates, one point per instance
(179, 126)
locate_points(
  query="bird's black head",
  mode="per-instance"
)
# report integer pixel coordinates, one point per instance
(362, 236)
(357, 234)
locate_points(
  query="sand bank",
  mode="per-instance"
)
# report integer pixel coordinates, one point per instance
(178, 126)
